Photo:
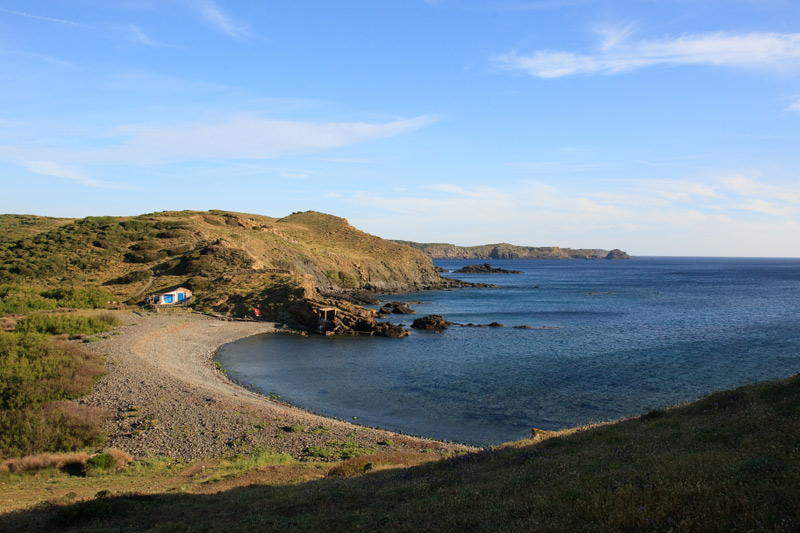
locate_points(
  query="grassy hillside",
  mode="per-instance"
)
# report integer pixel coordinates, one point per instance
(15, 227)
(510, 251)
(730, 462)
(232, 261)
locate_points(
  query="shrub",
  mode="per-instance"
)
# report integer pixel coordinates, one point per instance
(57, 324)
(133, 277)
(145, 256)
(145, 245)
(171, 234)
(81, 298)
(54, 427)
(121, 458)
(101, 462)
(20, 299)
(36, 377)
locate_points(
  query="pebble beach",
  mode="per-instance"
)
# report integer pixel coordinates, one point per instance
(166, 397)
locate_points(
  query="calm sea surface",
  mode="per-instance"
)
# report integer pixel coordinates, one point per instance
(622, 338)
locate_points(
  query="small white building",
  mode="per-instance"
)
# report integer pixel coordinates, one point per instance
(176, 297)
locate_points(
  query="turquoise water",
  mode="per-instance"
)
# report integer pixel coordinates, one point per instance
(622, 338)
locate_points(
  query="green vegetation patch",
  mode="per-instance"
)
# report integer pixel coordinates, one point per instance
(340, 449)
(21, 299)
(67, 324)
(37, 376)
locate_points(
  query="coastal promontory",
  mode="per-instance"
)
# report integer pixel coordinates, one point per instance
(511, 251)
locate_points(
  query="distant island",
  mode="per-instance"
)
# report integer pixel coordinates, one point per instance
(436, 250)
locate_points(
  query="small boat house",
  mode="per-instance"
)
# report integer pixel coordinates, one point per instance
(178, 296)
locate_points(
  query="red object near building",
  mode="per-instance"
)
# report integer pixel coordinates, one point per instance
(257, 312)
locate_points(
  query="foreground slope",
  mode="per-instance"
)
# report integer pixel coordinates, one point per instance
(729, 462)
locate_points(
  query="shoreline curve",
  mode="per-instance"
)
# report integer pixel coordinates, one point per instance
(166, 398)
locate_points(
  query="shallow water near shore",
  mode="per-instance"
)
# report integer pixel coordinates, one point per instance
(613, 339)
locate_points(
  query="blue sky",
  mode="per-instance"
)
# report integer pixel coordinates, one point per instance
(659, 127)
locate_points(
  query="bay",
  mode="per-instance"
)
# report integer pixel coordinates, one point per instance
(611, 339)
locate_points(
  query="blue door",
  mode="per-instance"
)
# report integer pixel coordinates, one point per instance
(167, 298)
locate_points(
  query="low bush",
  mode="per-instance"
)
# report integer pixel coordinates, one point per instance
(37, 376)
(145, 256)
(54, 427)
(21, 299)
(70, 324)
(133, 277)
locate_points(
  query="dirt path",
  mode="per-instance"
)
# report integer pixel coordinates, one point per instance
(167, 398)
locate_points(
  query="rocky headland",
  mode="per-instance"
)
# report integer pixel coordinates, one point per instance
(511, 251)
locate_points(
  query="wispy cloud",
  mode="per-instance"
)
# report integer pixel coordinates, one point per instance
(237, 139)
(49, 168)
(518, 7)
(138, 35)
(223, 21)
(795, 106)
(38, 57)
(247, 138)
(616, 53)
(47, 19)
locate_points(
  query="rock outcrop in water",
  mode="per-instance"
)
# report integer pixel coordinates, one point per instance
(485, 268)
(617, 254)
(431, 322)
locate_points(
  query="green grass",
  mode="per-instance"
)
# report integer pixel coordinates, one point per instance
(728, 462)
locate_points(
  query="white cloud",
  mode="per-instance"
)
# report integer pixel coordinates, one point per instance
(716, 216)
(137, 35)
(47, 19)
(244, 138)
(763, 206)
(616, 54)
(39, 57)
(48, 168)
(222, 21)
(238, 139)
(795, 106)
(293, 175)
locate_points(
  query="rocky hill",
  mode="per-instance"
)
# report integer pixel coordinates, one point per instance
(232, 261)
(510, 251)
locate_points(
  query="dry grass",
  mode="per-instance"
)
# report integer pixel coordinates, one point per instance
(121, 459)
(41, 461)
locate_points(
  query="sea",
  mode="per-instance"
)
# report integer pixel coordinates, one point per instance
(607, 339)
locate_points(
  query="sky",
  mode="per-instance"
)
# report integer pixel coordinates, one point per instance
(660, 127)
